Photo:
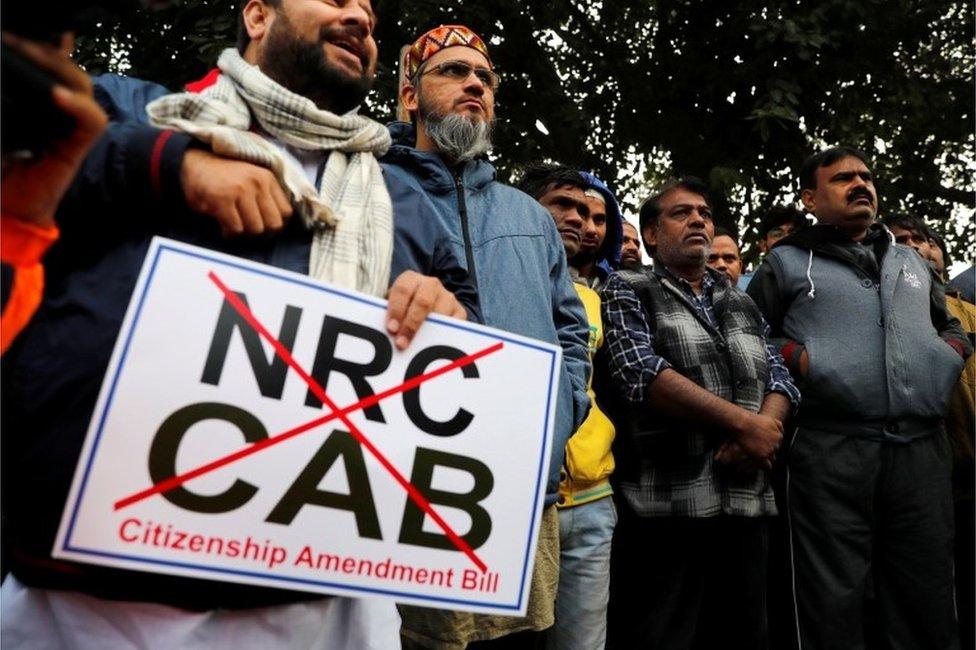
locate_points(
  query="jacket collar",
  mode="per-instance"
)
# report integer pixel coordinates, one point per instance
(429, 168)
(714, 286)
(831, 241)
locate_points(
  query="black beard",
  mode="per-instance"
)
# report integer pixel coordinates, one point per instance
(302, 67)
(631, 265)
(584, 257)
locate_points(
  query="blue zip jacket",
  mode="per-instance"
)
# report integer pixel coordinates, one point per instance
(511, 248)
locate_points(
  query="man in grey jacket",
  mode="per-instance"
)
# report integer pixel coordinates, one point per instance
(863, 325)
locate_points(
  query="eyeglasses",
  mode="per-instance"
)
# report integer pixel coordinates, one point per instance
(460, 70)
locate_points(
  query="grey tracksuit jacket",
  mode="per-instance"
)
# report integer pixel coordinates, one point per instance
(883, 352)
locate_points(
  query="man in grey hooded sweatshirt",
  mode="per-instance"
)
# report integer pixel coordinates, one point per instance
(863, 325)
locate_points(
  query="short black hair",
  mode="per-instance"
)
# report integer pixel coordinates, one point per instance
(780, 215)
(827, 157)
(725, 232)
(538, 177)
(937, 238)
(650, 209)
(905, 221)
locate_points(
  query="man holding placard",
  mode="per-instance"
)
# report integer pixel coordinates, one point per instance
(303, 66)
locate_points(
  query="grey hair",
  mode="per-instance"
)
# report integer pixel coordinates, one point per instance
(458, 137)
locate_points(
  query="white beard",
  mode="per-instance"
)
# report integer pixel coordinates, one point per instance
(458, 137)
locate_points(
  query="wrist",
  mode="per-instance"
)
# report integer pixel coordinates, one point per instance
(739, 421)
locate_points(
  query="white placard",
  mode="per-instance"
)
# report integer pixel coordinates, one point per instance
(209, 455)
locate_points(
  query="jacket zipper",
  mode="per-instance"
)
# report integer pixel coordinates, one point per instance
(463, 209)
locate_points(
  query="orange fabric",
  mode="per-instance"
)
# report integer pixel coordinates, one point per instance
(22, 245)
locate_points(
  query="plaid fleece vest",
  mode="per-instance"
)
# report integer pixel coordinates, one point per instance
(668, 469)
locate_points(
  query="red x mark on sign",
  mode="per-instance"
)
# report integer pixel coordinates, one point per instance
(341, 414)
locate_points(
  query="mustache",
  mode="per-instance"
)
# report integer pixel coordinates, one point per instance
(355, 33)
(348, 31)
(857, 193)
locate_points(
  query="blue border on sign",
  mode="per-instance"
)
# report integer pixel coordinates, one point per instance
(269, 272)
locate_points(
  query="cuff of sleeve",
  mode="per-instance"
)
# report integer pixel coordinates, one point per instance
(153, 161)
(22, 243)
(791, 355)
(793, 396)
(959, 347)
(638, 392)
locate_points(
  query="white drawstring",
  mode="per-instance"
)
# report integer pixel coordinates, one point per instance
(812, 293)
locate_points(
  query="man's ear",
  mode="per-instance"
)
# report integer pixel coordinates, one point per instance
(408, 97)
(808, 198)
(650, 239)
(258, 17)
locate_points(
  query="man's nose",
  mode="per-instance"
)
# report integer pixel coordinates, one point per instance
(858, 182)
(575, 219)
(696, 219)
(588, 227)
(355, 15)
(473, 84)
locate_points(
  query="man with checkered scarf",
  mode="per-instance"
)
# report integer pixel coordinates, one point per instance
(274, 132)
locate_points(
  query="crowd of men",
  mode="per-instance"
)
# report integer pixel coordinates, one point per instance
(786, 466)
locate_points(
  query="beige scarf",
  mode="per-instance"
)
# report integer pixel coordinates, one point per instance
(350, 214)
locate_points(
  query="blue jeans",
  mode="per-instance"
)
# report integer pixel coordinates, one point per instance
(585, 532)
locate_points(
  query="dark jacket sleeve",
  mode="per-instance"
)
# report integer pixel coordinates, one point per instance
(132, 164)
(948, 326)
(765, 292)
(420, 244)
(124, 99)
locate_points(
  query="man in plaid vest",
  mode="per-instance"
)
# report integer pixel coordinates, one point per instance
(699, 397)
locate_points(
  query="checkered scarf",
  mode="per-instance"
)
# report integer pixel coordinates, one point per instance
(350, 215)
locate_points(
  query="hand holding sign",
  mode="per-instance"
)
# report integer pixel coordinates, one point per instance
(412, 297)
(467, 412)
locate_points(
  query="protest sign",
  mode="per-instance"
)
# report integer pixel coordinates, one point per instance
(257, 426)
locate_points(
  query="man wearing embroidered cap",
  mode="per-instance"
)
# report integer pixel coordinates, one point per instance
(511, 248)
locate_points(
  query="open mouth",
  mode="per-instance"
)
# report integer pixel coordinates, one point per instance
(352, 47)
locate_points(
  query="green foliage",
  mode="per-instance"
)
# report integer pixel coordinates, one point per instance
(738, 93)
